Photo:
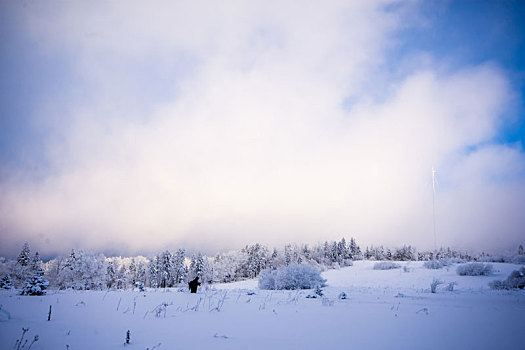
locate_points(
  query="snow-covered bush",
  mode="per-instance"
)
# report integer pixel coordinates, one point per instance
(474, 269)
(327, 302)
(495, 258)
(6, 282)
(516, 280)
(319, 291)
(450, 261)
(295, 276)
(450, 286)
(140, 286)
(435, 283)
(511, 259)
(518, 259)
(444, 262)
(267, 279)
(433, 264)
(386, 265)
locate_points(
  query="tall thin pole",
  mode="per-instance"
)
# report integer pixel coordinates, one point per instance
(434, 206)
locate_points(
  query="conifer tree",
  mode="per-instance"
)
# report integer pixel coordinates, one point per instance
(141, 273)
(120, 278)
(327, 253)
(272, 262)
(306, 252)
(368, 253)
(287, 254)
(22, 269)
(180, 271)
(24, 256)
(165, 270)
(111, 274)
(36, 263)
(355, 250)
(342, 250)
(154, 273)
(197, 266)
(36, 284)
(132, 273)
(333, 252)
(388, 255)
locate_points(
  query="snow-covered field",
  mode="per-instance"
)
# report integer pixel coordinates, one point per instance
(392, 309)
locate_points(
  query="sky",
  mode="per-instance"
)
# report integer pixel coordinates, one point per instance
(129, 127)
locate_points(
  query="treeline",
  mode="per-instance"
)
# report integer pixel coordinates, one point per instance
(81, 270)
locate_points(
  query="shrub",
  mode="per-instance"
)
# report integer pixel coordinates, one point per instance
(474, 269)
(296, 276)
(495, 258)
(6, 282)
(516, 280)
(518, 259)
(451, 261)
(450, 286)
(386, 265)
(433, 264)
(435, 283)
(444, 262)
(348, 262)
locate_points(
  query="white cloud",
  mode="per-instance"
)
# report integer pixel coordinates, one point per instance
(255, 145)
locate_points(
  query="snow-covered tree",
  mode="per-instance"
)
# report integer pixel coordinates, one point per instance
(165, 270)
(225, 267)
(197, 266)
(36, 284)
(257, 258)
(388, 255)
(110, 274)
(287, 254)
(80, 270)
(36, 263)
(333, 252)
(154, 272)
(327, 254)
(22, 269)
(24, 256)
(141, 273)
(120, 278)
(180, 271)
(306, 252)
(343, 253)
(368, 253)
(71, 272)
(355, 250)
(273, 260)
(379, 253)
(131, 277)
(406, 253)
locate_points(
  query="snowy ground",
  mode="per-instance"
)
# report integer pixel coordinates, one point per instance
(385, 309)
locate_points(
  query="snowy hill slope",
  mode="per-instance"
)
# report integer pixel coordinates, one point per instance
(392, 308)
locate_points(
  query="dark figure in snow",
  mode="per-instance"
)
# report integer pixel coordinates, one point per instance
(194, 284)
